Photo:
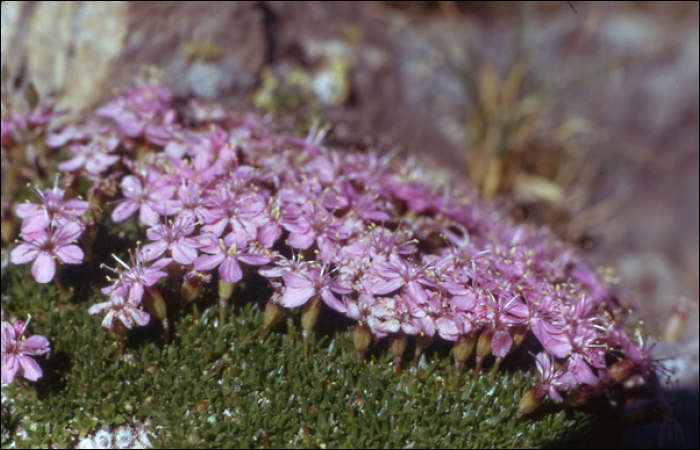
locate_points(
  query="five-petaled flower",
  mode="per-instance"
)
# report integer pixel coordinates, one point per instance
(17, 349)
(47, 246)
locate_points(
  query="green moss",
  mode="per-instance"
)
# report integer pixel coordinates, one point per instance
(218, 386)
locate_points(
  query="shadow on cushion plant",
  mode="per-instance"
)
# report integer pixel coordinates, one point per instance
(215, 209)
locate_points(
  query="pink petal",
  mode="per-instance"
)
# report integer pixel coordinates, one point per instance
(182, 253)
(384, 287)
(296, 297)
(582, 371)
(70, 254)
(208, 262)
(140, 317)
(501, 343)
(72, 164)
(38, 222)
(124, 210)
(155, 249)
(10, 365)
(296, 280)
(23, 253)
(131, 186)
(301, 240)
(151, 277)
(36, 345)
(44, 268)
(269, 233)
(25, 210)
(30, 369)
(230, 270)
(254, 259)
(332, 301)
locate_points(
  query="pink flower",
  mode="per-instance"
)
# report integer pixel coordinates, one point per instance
(301, 286)
(227, 252)
(149, 194)
(51, 211)
(136, 278)
(119, 309)
(552, 380)
(398, 272)
(45, 247)
(137, 108)
(172, 237)
(95, 157)
(17, 349)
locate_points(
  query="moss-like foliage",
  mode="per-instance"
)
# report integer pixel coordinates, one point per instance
(219, 386)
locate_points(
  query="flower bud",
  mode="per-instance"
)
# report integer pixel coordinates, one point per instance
(622, 370)
(226, 289)
(397, 343)
(310, 312)
(273, 313)
(361, 337)
(423, 341)
(518, 339)
(464, 347)
(118, 330)
(7, 230)
(154, 303)
(529, 402)
(190, 290)
(483, 346)
(576, 398)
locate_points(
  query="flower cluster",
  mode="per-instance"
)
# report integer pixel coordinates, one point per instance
(135, 436)
(49, 232)
(382, 243)
(17, 349)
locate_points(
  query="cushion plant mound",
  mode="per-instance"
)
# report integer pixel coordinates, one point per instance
(211, 228)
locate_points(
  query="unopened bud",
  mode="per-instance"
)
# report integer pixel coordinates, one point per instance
(7, 230)
(361, 337)
(154, 303)
(397, 343)
(273, 313)
(529, 402)
(190, 290)
(310, 312)
(226, 289)
(464, 347)
(518, 339)
(483, 346)
(423, 341)
(118, 330)
(676, 322)
(576, 398)
(622, 370)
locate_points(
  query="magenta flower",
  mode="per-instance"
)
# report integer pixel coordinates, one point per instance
(137, 278)
(150, 194)
(137, 108)
(45, 247)
(119, 309)
(17, 350)
(95, 157)
(552, 380)
(226, 253)
(398, 272)
(51, 211)
(173, 238)
(315, 280)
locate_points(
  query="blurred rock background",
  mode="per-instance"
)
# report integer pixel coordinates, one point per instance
(579, 115)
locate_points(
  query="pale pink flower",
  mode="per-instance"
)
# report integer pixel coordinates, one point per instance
(46, 247)
(17, 349)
